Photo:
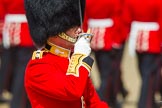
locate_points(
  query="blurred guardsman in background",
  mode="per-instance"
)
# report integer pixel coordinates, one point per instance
(142, 21)
(103, 18)
(17, 50)
(58, 76)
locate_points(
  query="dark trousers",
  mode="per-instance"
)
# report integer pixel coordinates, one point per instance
(148, 67)
(14, 61)
(108, 63)
(5, 70)
(22, 55)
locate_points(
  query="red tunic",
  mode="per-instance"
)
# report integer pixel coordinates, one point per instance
(48, 86)
(102, 17)
(15, 30)
(143, 20)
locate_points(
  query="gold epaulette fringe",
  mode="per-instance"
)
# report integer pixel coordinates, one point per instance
(37, 54)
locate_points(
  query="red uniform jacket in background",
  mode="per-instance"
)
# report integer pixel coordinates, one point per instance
(48, 86)
(103, 17)
(142, 23)
(15, 30)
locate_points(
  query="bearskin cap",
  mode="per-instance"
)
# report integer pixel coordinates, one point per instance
(50, 17)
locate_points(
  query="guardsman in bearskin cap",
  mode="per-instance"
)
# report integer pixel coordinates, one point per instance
(143, 28)
(58, 75)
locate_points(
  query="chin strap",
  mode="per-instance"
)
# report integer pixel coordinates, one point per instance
(68, 38)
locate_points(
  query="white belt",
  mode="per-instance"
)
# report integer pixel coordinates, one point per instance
(107, 22)
(19, 18)
(13, 24)
(135, 27)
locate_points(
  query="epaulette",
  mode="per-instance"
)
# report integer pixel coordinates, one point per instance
(37, 54)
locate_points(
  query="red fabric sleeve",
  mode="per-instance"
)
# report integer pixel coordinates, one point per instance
(52, 82)
(25, 37)
(160, 21)
(2, 14)
(123, 24)
(85, 21)
(2, 10)
(116, 35)
(91, 97)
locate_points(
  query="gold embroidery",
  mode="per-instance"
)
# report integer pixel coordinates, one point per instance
(57, 50)
(37, 54)
(75, 63)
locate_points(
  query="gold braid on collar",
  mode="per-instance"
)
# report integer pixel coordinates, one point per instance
(57, 50)
(68, 38)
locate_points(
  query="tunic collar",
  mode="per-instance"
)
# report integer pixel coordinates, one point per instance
(57, 50)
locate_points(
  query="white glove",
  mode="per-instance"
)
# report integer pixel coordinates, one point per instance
(82, 46)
